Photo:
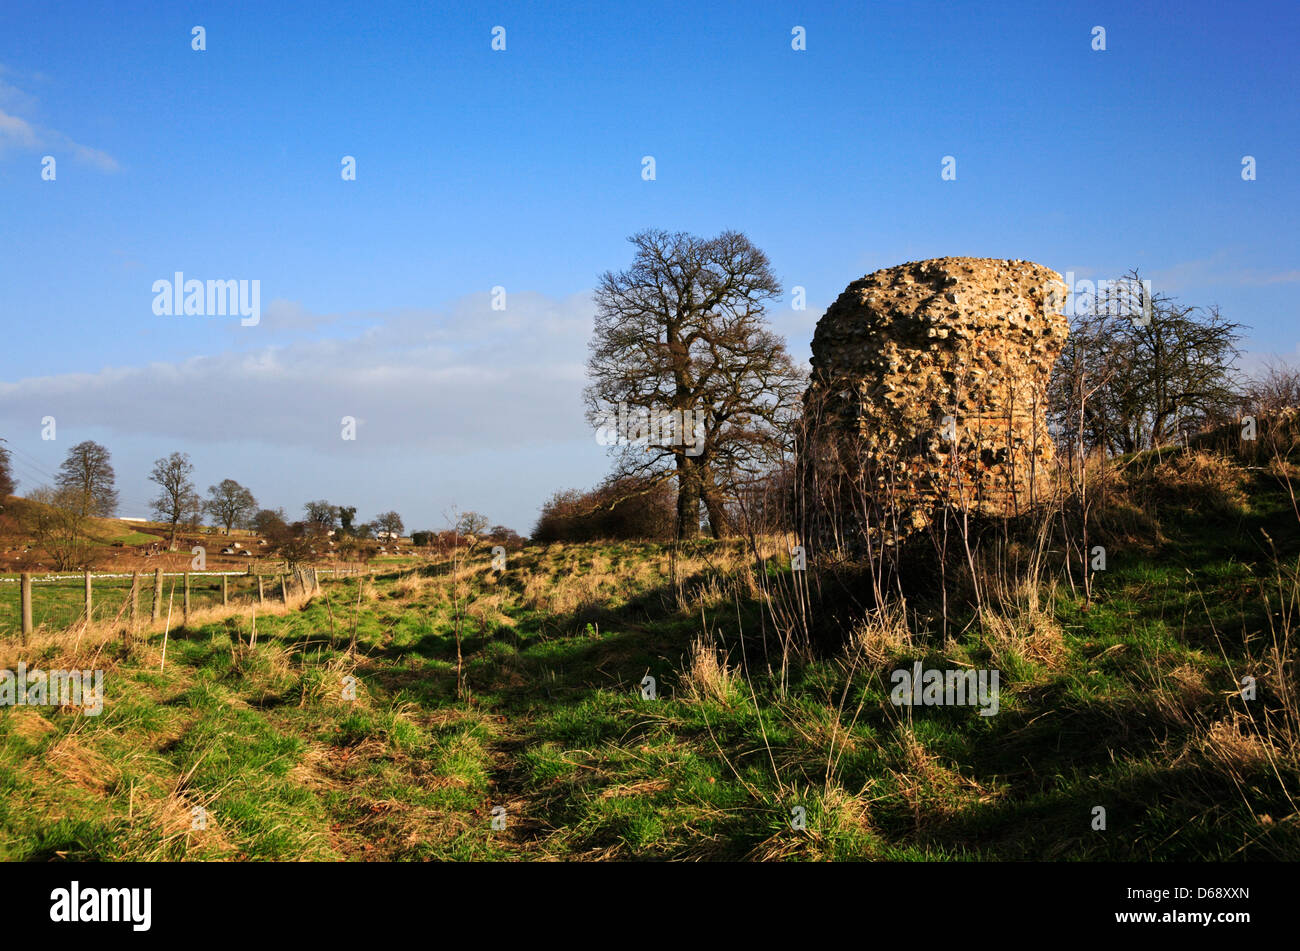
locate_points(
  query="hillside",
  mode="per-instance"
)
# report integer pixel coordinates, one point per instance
(112, 544)
(1128, 702)
(115, 544)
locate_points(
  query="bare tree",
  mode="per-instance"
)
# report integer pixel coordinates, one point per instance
(295, 543)
(7, 485)
(87, 479)
(681, 354)
(56, 522)
(178, 502)
(1273, 388)
(1164, 369)
(268, 522)
(322, 515)
(472, 523)
(390, 522)
(230, 504)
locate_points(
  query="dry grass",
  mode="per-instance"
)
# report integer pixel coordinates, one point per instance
(707, 676)
(1027, 632)
(932, 790)
(553, 582)
(78, 764)
(709, 593)
(412, 585)
(1181, 693)
(1233, 748)
(1203, 481)
(1284, 470)
(82, 643)
(837, 814)
(329, 686)
(881, 635)
(27, 723)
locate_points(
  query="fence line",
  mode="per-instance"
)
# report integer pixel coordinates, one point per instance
(40, 579)
(304, 579)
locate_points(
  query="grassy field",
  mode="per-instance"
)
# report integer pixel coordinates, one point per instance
(110, 530)
(503, 717)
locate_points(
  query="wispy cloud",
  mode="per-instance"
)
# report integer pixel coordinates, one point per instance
(97, 157)
(1219, 270)
(1281, 277)
(21, 134)
(16, 131)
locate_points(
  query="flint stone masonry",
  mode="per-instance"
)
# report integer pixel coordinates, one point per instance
(929, 387)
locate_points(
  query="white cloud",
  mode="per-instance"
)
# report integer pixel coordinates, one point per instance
(1280, 277)
(100, 159)
(1218, 270)
(464, 379)
(13, 98)
(19, 133)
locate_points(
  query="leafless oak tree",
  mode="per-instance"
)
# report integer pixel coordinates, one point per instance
(230, 504)
(684, 374)
(178, 502)
(87, 481)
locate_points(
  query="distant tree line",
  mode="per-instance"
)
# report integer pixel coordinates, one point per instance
(60, 516)
(468, 529)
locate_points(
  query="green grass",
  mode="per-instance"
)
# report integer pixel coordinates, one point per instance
(550, 725)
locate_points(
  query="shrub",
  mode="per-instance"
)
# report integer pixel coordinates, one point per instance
(625, 508)
(1202, 482)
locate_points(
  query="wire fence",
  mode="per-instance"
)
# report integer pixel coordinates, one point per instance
(60, 601)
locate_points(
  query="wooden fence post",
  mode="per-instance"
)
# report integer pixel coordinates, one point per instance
(225, 591)
(90, 602)
(135, 600)
(157, 594)
(284, 590)
(26, 596)
(261, 594)
(186, 608)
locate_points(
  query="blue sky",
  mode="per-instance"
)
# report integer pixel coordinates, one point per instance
(522, 169)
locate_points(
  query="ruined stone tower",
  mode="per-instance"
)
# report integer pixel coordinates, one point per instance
(929, 386)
